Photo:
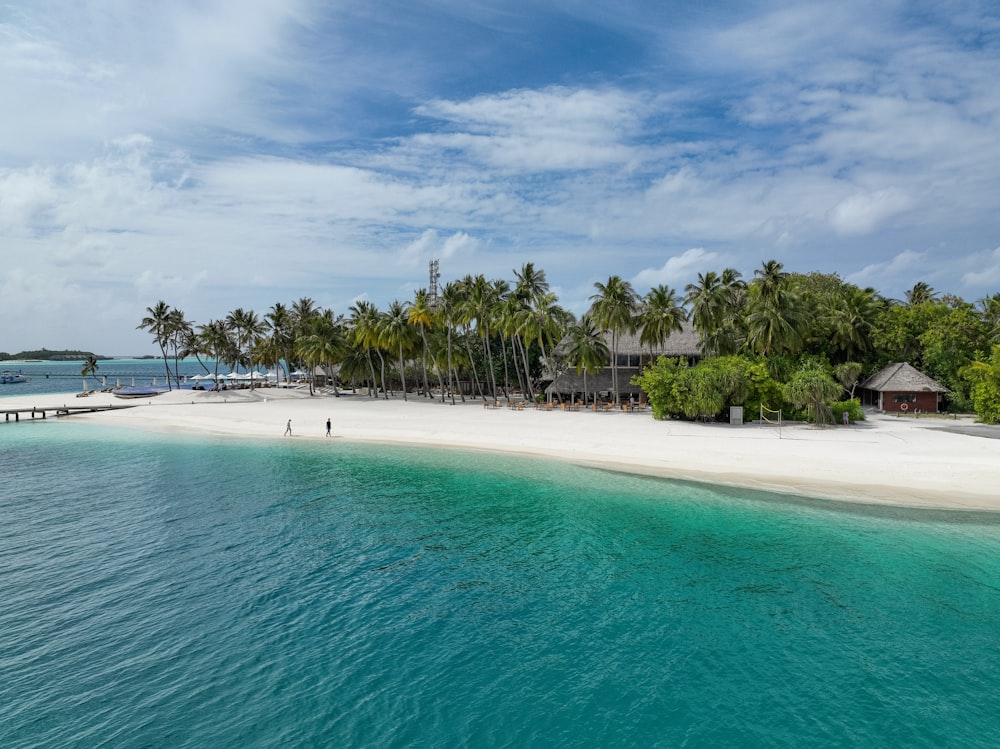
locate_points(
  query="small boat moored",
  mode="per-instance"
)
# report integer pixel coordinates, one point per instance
(138, 392)
(11, 378)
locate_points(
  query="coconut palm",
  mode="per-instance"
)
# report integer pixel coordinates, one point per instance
(395, 334)
(585, 348)
(364, 335)
(157, 322)
(322, 343)
(214, 341)
(660, 315)
(920, 294)
(850, 315)
(448, 310)
(89, 369)
(482, 304)
(179, 331)
(716, 303)
(420, 314)
(775, 318)
(613, 309)
(280, 321)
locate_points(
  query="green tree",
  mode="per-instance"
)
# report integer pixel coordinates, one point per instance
(395, 335)
(983, 378)
(586, 349)
(660, 315)
(614, 309)
(813, 388)
(775, 318)
(364, 335)
(89, 369)
(157, 323)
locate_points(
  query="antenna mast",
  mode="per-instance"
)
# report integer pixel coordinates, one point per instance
(432, 291)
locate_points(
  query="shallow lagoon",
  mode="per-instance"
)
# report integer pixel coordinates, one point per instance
(179, 591)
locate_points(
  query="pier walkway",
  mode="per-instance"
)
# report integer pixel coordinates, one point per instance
(57, 411)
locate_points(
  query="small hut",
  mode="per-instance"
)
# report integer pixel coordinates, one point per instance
(900, 388)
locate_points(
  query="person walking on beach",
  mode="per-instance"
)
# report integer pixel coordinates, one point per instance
(328, 427)
(288, 429)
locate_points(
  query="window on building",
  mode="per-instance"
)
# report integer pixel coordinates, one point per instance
(904, 398)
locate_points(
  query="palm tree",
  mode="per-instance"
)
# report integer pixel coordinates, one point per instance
(157, 322)
(586, 348)
(482, 304)
(775, 318)
(394, 333)
(850, 315)
(179, 330)
(420, 313)
(216, 343)
(716, 305)
(281, 323)
(660, 315)
(613, 308)
(448, 309)
(919, 294)
(322, 344)
(246, 326)
(89, 369)
(364, 323)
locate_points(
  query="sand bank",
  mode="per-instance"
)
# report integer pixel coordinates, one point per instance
(930, 463)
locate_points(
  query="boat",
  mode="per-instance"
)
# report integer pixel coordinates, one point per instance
(11, 378)
(138, 392)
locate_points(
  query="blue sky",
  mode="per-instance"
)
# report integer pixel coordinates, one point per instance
(237, 153)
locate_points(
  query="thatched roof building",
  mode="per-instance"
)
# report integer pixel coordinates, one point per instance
(632, 356)
(900, 387)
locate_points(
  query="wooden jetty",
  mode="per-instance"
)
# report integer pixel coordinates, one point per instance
(57, 411)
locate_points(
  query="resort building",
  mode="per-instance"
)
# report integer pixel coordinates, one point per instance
(632, 357)
(900, 388)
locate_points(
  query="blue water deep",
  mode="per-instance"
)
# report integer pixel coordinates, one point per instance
(177, 591)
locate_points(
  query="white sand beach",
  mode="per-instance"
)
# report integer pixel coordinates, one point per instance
(927, 462)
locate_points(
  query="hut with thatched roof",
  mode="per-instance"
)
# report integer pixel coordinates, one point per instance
(632, 357)
(901, 388)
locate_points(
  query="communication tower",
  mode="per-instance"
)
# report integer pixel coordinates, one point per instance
(432, 291)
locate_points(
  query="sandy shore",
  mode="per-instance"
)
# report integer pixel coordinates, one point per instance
(930, 463)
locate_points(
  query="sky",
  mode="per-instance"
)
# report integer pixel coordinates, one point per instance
(217, 154)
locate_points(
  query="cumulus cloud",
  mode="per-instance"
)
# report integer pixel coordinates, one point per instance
(678, 270)
(429, 246)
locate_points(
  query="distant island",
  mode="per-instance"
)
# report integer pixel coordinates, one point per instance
(46, 355)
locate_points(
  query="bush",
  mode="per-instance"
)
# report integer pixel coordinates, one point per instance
(851, 407)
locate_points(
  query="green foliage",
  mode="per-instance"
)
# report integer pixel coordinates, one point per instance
(813, 387)
(851, 407)
(984, 379)
(707, 389)
(46, 355)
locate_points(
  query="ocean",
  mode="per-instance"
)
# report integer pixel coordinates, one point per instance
(46, 377)
(192, 591)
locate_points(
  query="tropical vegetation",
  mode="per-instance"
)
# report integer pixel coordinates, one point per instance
(799, 342)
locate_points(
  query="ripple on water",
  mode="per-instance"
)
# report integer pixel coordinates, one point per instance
(166, 591)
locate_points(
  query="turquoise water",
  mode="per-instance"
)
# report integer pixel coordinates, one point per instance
(162, 591)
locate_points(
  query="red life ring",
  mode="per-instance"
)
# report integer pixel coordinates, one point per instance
(903, 406)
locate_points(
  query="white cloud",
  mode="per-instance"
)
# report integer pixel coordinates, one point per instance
(900, 271)
(986, 273)
(864, 212)
(679, 270)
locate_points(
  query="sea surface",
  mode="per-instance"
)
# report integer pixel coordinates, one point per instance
(177, 591)
(64, 376)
